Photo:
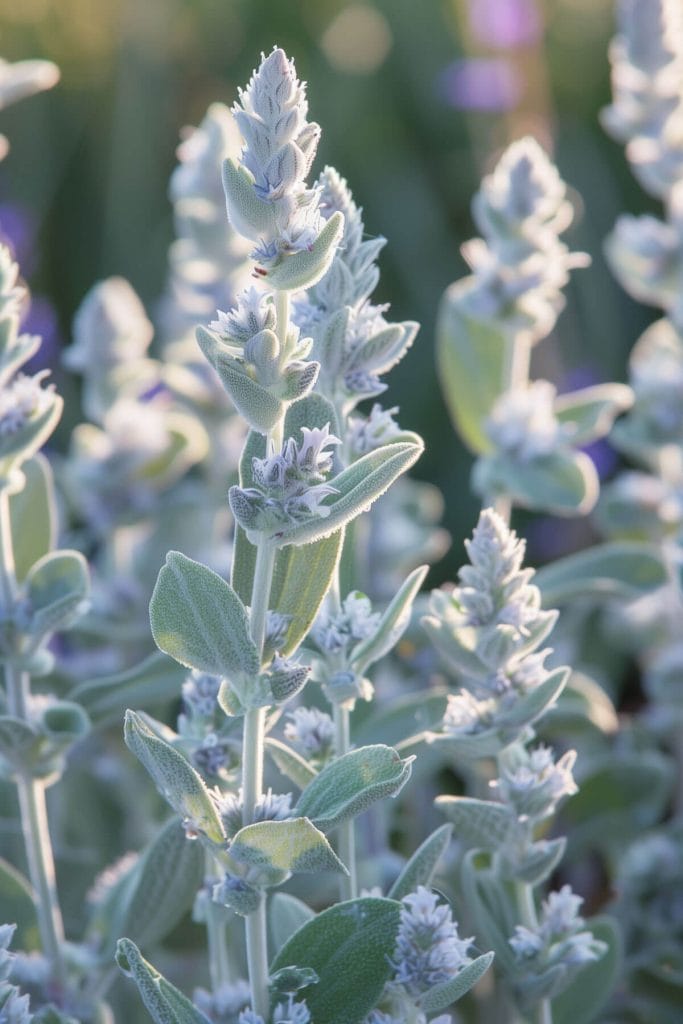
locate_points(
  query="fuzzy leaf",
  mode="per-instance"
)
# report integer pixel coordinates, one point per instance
(421, 867)
(584, 998)
(286, 914)
(564, 482)
(404, 719)
(164, 1003)
(56, 587)
(351, 783)
(156, 679)
(470, 360)
(199, 620)
(251, 216)
(166, 882)
(303, 269)
(480, 823)
(616, 570)
(493, 907)
(439, 997)
(175, 778)
(590, 412)
(256, 403)
(349, 947)
(291, 764)
(33, 515)
(392, 625)
(292, 845)
(540, 861)
(359, 486)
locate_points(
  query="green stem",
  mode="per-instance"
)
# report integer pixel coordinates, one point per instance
(31, 792)
(255, 718)
(515, 375)
(220, 972)
(347, 832)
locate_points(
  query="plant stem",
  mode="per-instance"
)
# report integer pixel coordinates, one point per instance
(31, 791)
(347, 832)
(515, 375)
(219, 960)
(255, 718)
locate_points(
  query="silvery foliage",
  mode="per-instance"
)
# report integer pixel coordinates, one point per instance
(520, 265)
(14, 1006)
(337, 636)
(488, 631)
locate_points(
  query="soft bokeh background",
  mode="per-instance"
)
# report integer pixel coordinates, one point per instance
(415, 100)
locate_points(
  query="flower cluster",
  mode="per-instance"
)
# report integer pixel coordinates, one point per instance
(647, 85)
(428, 948)
(336, 633)
(549, 955)
(535, 784)
(289, 485)
(280, 145)
(269, 807)
(523, 424)
(14, 1007)
(290, 1012)
(520, 266)
(311, 732)
(225, 1004)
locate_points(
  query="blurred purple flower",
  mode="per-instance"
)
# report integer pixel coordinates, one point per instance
(505, 24)
(41, 319)
(601, 452)
(18, 231)
(481, 83)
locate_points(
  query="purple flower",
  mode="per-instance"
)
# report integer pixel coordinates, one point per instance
(505, 24)
(481, 83)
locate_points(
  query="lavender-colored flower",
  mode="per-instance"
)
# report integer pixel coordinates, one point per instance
(366, 433)
(291, 1012)
(505, 24)
(269, 807)
(523, 424)
(465, 715)
(481, 83)
(336, 633)
(223, 1005)
(253, 313)
(559, 940)
(428, 948)
(311, 731)
(24, 400)
(535, 784)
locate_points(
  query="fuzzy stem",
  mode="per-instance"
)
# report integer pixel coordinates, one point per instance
(220, 971)
(31, 792)
(255, 718)
(347, 832)
(515, 375)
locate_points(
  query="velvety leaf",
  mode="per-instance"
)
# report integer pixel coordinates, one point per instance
(564, 482)
(359, 486)
(294, 844)
(615, 570)
(164, 1003)
(286, 914)
(470, 359)
(480, 823)
(56, 588)
(540, 861)
(439, 997)
(421, 867)
(166, 882)
(352, 783)
(33, 515)
(156, 679)
(349, 947)
(582, 1001)
(403, 719)
(304, 268)
(590, 412)
(392, 625)
(289, 762)
(199, 620)
(175, 778)
(256, 403)
(492, 904)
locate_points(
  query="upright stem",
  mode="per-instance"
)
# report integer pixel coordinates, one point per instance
(254, 719)
(220, 971)
(347, 832)
(515, 375)
(31, 792)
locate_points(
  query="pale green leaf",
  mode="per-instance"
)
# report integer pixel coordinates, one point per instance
(289, 762)
(439, 997)
(480, 823)
(582, 1001)
(421, 867)
(286, 914)
(164, 1003)
(392, 625)
(294, 844)
(156, 679)
(56, 588)
(33, 515)
(624, 570)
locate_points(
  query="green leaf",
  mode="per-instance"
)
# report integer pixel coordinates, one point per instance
(439, 997)
(349, 946)
(359, 486)
(305, 268)
(290, 763)
(301, 579)
(56, 587)
(164, 888)
(480, 823)
(164, 1003)
(286, 914)
(470, 359)
(582, 1001)
(33, 515)
(199, 620)
(294, 844)
(540, 861)
(590, 412)
(352, 783)
(256, 403)
(616, 570)
(156, 679)
(493, 907)
(392, 625)
(175, 778)
(18, 901)
(421, 867)
(404, 719)
(564, 482)
(16, 739)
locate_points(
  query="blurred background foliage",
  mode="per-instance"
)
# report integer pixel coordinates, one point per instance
(415, 99)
